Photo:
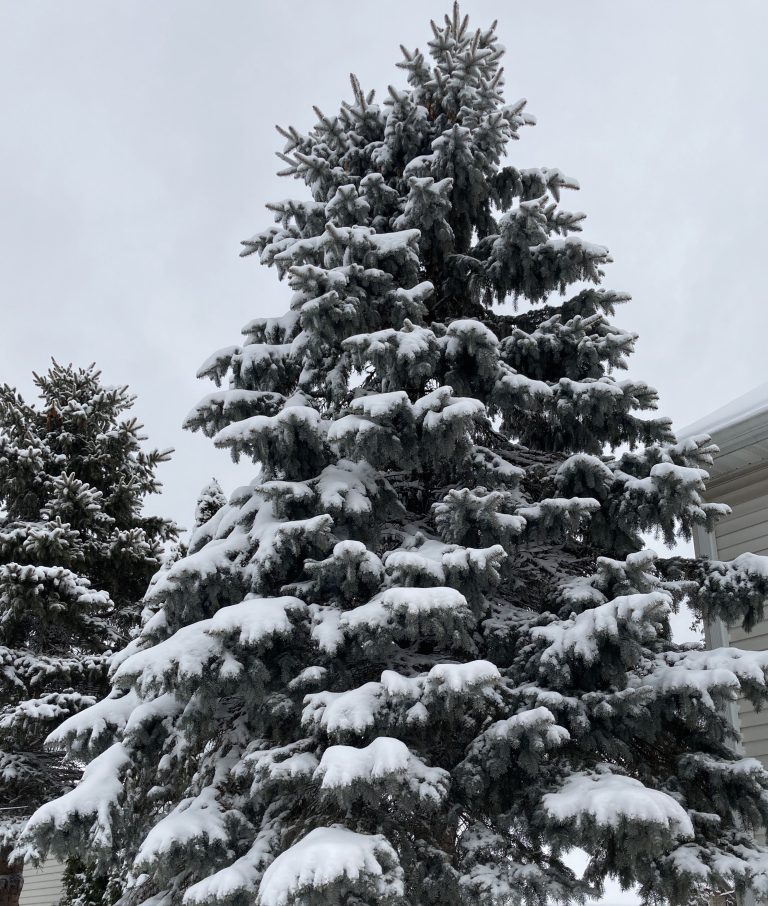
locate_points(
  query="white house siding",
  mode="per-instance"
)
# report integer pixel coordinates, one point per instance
(746, 529)
(42, 886)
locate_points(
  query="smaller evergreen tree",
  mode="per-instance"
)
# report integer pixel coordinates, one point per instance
(76, 555)
(210, 501)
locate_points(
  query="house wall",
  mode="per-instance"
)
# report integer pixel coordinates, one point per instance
(42, 886)
(745, 529)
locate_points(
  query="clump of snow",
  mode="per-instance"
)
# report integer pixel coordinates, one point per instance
(536, 719)
(398, 686)
(278, 764)
(325, 630)
(385, 757)
(339, 712)
(326, 855)
(217, 364)
(460, 677)
(750, 564)
(187, 653)
(442, 680)
(343, 765)
(381, 405)
(199, 819)
(256, 619)
(91, 800)
(157, 708)
(411, 602)
(728, 672)
(347, 487)
(249, 428)
(243, 875)
(441, 406)
(579, 635)
(87, 728)
(610, 799)
(309, 676)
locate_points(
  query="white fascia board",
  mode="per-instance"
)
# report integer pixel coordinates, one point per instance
(748, 434)
(748, 407)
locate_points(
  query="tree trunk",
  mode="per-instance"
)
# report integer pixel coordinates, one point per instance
(11, 881)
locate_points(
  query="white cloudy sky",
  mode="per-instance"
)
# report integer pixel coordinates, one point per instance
(137, 150)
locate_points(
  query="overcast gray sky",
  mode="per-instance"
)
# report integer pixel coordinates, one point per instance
(137, 150)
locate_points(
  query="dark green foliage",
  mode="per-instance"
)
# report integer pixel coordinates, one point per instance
(83, 887)
(76, 555)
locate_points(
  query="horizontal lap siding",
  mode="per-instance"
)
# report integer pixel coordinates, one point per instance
(758, 545)
(43, 886)
(757, 749)
(757, 640)
(750, 717)
(754, 538)
(746, 530)
(757, 733)
(744, 515)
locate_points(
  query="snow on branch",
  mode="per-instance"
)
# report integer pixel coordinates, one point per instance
(362, 865)
(609, 800)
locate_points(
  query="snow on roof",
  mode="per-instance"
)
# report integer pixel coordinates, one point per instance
(742, 409)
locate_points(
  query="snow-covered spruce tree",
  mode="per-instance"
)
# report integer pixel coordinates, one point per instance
(425, 653)
(76, 555)
(209, 502)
